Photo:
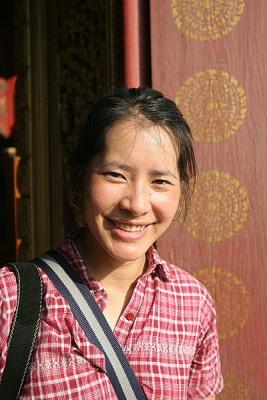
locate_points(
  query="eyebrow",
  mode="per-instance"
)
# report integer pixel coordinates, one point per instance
(125, 167)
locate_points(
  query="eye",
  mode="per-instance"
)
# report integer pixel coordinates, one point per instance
(114, 175)
(161, 182)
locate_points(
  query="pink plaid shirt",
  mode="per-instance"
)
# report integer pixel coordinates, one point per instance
(167, 331)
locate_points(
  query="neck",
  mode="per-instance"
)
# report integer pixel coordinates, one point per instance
(108, 271)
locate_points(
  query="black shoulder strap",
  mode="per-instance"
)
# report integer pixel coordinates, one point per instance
(24, 329)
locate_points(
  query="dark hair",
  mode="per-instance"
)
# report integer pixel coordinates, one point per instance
(143, 103)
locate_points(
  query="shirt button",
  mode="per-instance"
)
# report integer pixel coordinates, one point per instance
(130, 317)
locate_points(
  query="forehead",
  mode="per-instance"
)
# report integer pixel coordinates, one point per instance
(140, 135)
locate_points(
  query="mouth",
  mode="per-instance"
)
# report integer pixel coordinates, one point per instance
(129, 228)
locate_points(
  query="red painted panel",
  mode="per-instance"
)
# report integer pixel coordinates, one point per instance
(7, 106)
(221, 86)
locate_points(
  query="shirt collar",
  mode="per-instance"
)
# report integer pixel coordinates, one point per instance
(71, 252)
(155, 262)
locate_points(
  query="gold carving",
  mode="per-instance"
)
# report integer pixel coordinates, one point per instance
(214, 104)
(231, 297)
(219, 207)
(207, 19)
(233, 389)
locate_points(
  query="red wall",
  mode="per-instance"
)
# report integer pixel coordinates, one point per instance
(210, 57)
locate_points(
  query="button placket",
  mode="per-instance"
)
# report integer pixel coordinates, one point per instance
(135, 302)
(130, 316)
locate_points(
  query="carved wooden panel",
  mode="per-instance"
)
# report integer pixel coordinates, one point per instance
(66, 57)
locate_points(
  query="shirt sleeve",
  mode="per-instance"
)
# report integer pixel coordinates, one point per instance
(8, 302)
(205, 373)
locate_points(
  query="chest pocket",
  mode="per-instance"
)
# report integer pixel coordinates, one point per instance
(63, 344)
(164, 369)
(65, 365)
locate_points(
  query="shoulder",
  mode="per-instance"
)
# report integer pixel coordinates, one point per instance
(177, 276)
(183, 278)
(191, 289)
(8, 285)
(181, 283)
(9, 289)
(8, 302)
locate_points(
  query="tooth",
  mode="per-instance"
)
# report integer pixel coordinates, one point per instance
(130, 228)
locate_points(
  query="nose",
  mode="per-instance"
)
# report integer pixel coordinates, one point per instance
(136, 200)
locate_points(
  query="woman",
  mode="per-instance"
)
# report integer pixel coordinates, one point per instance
(131, 174)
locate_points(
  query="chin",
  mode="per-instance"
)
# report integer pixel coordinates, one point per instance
(126, 255)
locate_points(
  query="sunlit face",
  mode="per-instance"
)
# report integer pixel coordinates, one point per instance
(131, 192)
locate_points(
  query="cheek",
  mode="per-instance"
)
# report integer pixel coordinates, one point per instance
(100, 197)
(167, 205)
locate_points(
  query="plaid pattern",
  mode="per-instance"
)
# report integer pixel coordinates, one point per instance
(168, 332)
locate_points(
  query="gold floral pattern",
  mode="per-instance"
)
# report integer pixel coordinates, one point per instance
(233, 389)
(231, 297)
(207, 19)
(213, 103)
(219, 208)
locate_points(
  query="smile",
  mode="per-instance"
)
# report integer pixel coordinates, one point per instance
(129, 228)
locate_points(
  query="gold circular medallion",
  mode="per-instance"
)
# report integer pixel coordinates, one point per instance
(231, 298)
(219, 207)
(233, 389)
(207, 19)
(213, 103)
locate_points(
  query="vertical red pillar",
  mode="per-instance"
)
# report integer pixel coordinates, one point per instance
(136, 43)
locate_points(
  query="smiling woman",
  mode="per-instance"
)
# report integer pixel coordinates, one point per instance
(131, 195)
(131, 173)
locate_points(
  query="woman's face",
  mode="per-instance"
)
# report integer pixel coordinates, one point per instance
(131, 192)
